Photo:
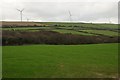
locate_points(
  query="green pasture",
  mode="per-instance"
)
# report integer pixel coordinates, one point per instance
(71, 32)
(61, 61)
(104, 32)
(26, 28)
(95, 25)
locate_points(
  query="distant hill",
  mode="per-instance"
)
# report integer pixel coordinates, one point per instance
(16, 24)
(59, 24)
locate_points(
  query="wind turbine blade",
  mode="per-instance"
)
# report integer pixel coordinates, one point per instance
(18, 9)
(22, 9)
(70, 13)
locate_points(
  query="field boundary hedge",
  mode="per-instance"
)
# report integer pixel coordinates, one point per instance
(51, 37)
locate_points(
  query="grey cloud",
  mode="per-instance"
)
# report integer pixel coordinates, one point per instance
(58, 11)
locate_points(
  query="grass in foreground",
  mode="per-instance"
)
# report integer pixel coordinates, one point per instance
(60, 61)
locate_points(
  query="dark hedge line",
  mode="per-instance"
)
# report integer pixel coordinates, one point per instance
(50, 37)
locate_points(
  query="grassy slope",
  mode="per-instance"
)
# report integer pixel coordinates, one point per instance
(0, 62)
(104, 32)
(66, 26)
(102, 25)
(97, 60)
(71, 31)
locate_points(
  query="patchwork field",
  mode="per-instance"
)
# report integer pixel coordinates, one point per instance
(61, 61)
(65, 27)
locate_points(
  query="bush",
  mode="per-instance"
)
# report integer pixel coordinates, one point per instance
(50, 37)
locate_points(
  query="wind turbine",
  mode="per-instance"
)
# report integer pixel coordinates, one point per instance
(20, 13)
(70, 15)
(110, 21)
(28, 19)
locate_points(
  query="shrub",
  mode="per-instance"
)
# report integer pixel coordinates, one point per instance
(51, 37)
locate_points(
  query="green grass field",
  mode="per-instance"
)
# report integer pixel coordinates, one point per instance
(60, 61)
(26, 28)
(104, 32)
(71, 31)
(0, 62)
(98, 25)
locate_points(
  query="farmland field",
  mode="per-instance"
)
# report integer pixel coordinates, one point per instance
(63, 27)
(61, 61)
(71, 31)
(104, 32)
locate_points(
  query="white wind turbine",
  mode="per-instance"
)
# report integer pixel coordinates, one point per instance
(21, 13)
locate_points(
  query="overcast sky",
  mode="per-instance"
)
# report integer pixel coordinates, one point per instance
(57, 10)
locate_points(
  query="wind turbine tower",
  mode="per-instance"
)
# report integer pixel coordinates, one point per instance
(27, 19)
(21, 13)
(110, 21)
(70, 16)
